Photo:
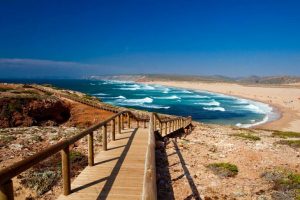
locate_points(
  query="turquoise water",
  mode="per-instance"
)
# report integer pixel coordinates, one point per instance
(203, 106)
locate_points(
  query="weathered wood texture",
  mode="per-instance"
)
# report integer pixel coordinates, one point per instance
(118, 173)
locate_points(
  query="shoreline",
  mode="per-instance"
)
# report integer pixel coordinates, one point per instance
(288, 119)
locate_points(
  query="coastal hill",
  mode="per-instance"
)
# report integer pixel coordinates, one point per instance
(217, 78)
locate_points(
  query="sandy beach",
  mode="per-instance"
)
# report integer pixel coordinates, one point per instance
(285, 99)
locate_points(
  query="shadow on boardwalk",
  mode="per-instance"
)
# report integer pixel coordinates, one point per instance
(109, 183)
(164, 181)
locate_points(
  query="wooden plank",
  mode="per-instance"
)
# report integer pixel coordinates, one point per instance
(118, 173)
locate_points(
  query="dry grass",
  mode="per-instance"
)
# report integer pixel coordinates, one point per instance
(224, 169)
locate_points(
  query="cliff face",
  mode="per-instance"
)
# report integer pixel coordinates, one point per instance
(32, 111)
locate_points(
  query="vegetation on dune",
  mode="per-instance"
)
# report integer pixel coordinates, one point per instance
(224, 169)
(91, 98)
(24, 92)
(286, 134)
(247, 136)
(291, 143)
(7, 138)
(76, 156)
(285, 183)
(37, 138)
(4, 89)
(41, 181)
(52, 86)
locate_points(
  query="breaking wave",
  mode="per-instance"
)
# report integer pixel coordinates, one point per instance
(215, 109)
(144, 100)
(168, 97)
(211, 103)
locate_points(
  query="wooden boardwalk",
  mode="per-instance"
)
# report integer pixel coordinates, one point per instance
(118, 173)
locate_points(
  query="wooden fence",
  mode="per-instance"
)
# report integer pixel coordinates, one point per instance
(6, 175)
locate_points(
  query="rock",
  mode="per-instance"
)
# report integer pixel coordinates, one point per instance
(16, 146)
(278, 195)
(239, 193)
(222, 156)
(261, 197)
(213, 148)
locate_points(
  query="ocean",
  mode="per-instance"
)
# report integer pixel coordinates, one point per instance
(203, 106)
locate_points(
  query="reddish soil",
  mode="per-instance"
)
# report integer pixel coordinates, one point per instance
(85, 116)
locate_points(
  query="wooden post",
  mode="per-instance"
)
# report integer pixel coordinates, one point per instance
(160, 128)
(65, 158)
(166, 128)
(7, 191)
(128, 119)
(138, 123)
(113, 131)
(104, 138)
(119, 124)
(173, 125)
(145, 124)
(122, 122)
(152, 123)
(91, 148)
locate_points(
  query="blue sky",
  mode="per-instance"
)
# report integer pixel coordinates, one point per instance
(77, 38)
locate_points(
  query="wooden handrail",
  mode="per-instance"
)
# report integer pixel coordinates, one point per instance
(149, 183)
(15, 169)
(170, 125)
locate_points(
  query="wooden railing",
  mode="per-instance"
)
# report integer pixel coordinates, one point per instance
(6, 175)
(165, 126)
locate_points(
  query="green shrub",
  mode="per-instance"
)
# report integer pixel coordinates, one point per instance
(37, 138)
(291, 143)
(4, 89)
(284, 181)
(286, 134)
(76, 156)
(41, 181)
(7, 138)
(224, 169)
(247, 136)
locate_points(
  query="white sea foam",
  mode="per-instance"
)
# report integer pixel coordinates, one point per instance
(214, 108)
(147, 87)
(168, 97)
(144, 100)
(265, 119)
(92, 84)
(260, 108)
(210, 103)
(242, 101)
(118, 97)
(116, 81)
(166, 90)
(129, 87)
(154, 106)
(196, 96)
(100, 94)
(253, 106)
(182, 92)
